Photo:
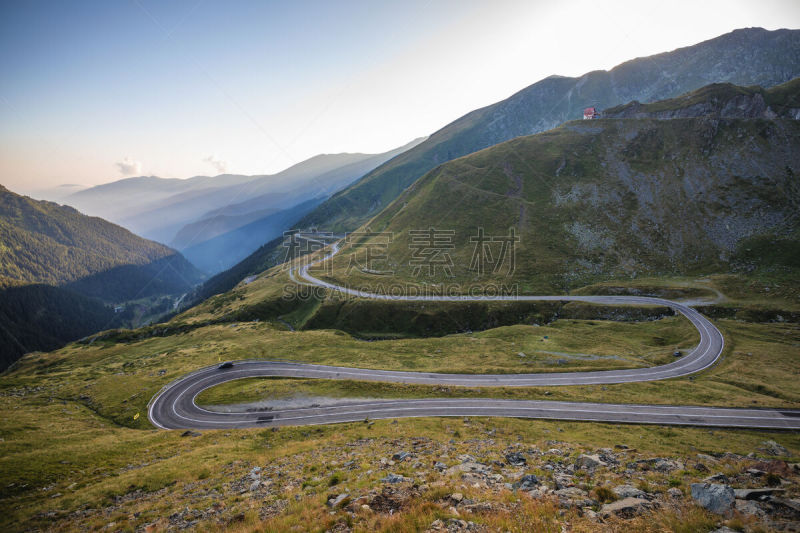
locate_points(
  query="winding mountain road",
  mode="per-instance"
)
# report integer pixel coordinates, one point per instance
(174, 406)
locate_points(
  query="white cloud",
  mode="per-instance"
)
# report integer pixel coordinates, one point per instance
(129, 167)
(220, 165)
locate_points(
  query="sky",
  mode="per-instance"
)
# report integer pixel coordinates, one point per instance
(92, 92)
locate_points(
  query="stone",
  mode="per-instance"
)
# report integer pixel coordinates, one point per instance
(625, 508)
(749, 507)
(588, 462)
(771, 447)
(574, 497)
(589, 513)
(526, 482)
(628, 491)
(706, 458)
(667, 465)
(675, 493)
(470, 466)
(516, 459)
(562, 481)
(714, 497)
(437, 525)
(395, 478)
(336, 501)
(190, 433)
(439, 466)
(717, 478)
(754, 494)
(254, 486)
(456, 496)
(400, 456)
(794, 505)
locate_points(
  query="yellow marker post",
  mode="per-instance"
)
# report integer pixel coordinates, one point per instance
(136, 416)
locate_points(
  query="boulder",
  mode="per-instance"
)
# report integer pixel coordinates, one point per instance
(667, 465)
(588, 461)
(526, 482)
(336, 501)
(574, 497)
(625, 508)
(749, 507)
(516, 459)
(470, 466)
(771, 447)
(628, 491)
(675, 492)
(717, 478)
(714, 497)
(754, 494)
(395, 478)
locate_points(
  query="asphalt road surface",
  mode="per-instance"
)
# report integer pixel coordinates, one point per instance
(174, 406)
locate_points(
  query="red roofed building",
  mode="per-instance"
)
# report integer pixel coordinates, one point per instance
(590, 113)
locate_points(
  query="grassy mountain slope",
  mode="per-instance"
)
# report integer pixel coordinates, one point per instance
(41, 318)
(607, 199)
(88, 403)
(723, 100)
(745, 57)
(43, 242)
(57, 267)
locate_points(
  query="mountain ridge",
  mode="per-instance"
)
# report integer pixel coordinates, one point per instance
(751, 56)
(608, 199)
(158, 208)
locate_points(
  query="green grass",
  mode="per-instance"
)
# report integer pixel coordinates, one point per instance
(73, 431)
(758, 369)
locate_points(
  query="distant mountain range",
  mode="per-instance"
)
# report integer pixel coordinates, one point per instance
(59, 269)
(221, 252)
(751, 56)
(187, 212)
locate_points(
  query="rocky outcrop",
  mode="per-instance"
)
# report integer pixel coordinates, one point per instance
(625, 508)
(717, 498)
(717, 101)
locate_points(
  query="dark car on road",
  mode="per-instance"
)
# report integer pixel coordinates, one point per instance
(226, 364)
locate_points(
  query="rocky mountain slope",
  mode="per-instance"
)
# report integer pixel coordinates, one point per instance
(602, 199)
(721, 100)
(751, 56)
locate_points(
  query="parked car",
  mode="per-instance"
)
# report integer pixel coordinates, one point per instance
(226, 364)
